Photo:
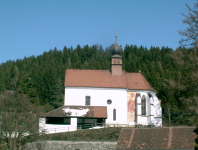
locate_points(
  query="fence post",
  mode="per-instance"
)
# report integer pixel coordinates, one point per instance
(55, 130)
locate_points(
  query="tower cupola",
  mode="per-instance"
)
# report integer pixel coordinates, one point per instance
(116, 59)
(116, 48)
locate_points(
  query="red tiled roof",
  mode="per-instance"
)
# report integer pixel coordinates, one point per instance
(104, 79)
(157, 138)
(183, 138)
(94, 112)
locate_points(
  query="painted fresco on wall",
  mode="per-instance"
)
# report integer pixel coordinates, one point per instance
(131, 106)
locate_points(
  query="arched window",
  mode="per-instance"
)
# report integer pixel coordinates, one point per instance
(87, 100)
(114, 114)
(143, 103)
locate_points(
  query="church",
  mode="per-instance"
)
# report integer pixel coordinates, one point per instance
(110, 97)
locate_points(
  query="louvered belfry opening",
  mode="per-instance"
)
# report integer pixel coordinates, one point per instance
(116, 65)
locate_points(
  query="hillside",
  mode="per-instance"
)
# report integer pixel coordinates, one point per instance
(172, 73)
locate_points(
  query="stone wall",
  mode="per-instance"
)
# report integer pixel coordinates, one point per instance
(71, 145)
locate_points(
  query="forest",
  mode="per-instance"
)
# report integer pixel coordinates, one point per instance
(172, 73)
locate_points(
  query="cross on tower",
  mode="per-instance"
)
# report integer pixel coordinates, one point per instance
(116, 35)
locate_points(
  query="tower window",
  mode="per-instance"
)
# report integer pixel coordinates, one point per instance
(114, 114)
(143, 103)
(87, 100)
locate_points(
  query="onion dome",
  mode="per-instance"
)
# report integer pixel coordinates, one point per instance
(116, 48)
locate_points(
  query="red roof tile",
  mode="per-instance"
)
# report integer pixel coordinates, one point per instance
(104, 79)
(157, 138)
(93, 112)
(183, 138)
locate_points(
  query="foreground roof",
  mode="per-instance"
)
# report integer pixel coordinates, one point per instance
(78, 111)
(104, 79)
(157, 138)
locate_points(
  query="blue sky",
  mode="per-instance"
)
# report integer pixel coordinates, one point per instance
(30, 27)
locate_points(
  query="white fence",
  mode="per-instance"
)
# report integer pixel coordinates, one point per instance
(58, 130)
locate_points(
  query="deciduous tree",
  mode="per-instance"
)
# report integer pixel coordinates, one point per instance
(19, 119)
(190, 34)
(187, 62)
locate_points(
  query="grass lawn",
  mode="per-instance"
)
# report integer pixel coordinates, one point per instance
(103, 134)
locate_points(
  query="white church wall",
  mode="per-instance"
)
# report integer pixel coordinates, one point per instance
(153, 109)
(157, 108)
(149, 109)
(149, 119)
(156, 121)
(144, 120)
(156, 111)
(138, 119)
(139, 109)
(148, 105)
(138, 100)
(99, 97)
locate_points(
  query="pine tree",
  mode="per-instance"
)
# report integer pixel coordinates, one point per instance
(57, 97)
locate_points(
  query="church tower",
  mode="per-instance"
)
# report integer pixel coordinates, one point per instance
(116, 60)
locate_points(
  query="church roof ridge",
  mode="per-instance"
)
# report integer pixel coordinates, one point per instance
(87, 69)
(104, 79)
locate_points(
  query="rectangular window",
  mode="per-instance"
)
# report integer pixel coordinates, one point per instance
(67, 121)
(87, 100)
(58, 120)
